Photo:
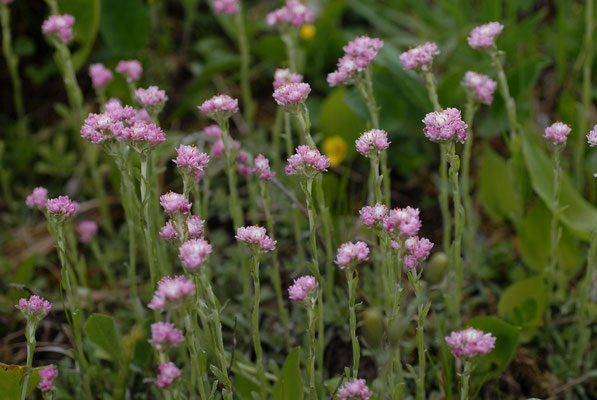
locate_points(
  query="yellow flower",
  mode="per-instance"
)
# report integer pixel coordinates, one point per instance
(308, 31)
(335, 148)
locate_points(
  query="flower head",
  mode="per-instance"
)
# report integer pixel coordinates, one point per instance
(175, 203)
(213, 131)
(292, 15)
(470, 343)
(303, 288)
(87, 230)
(168, 374)
(60, 26)
(193, 253)
(292, 95)
(109, 125)
(354, 390)
(417, 250)
(220, 107)
(349, 254)
(131, 69)
(307, 162)
(47, 375)
(219, 147)
(359, 54)
(144, 134)
(193, 227)
(262, 168)
(372, 142)
(420, 57)
(152, 98)
(481, 86)
(557, 132)
(229, 7)
(403, 222)
(167, 232)
(165, 335)
(256, 238)
(171, 292)
(191, 160)
(284, 76)
(100, 75)
(444, 126)
(36, 308)
(244, 167)
(592, 137)
(373, 217)
(483, 36)
(38, 198)
(62, 206)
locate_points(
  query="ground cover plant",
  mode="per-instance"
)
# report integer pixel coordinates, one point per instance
(318, 199)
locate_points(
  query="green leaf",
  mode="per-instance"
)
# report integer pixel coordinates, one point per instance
(336, 118)
(102, 331)
(289, 385)
(514, 305)
(505, 344)
(87, 16)
(11, 380)
(495, 186)
(125, 25)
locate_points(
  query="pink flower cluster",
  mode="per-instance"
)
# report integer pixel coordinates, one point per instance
(229, 7)
(219, 147)
(557, 132)
(470, 343)
(445, 125)
(284, 76)
(36, 307)
(244, 167)
(420, 57)
(359, 54)
(262, 168)
(59, 25)
(372, 142)
(100, 75)
(213, 131)
(62, 206)
(151, 98)
(307, 162)
(168, 374)
(350, 254)
(292, 14)
(87, 229)
(481, 85)
(483, 36)
(164, 336)
(592, 137)
(373, 217)
(116, 122)
(303, 288)
(140, 132)
(175, 203)
(403, 222)
(171, 290)
(418, 250)
(47, 375)
(38, 198)
(292, 94)
(192, 160)
(219, 107)
(131, 69)
(193, 253)
(256, 238)
(193, 228)
(354, 390)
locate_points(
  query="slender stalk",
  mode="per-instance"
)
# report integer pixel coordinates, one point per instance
(305, 123)
(376, 195)
(205, 198)
(312, 350)
(470, 218)
(397, 388)
(466, 376)
(12, 61)
(290, 39)
(154, 269)
(456, 256)
(554, 232)
(422, 311)
(255, 324)
(328, 230)
(245, 64)
(352, 277)
(288, 134)
(198, 375)
(276, 134)
(103, 262)
(31, 343)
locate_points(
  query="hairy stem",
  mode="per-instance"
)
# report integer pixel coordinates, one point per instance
(255, 324)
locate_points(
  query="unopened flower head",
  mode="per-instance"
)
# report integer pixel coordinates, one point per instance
(143, 136)
(262, 168)
(420, 57)
(152, 98)
(171, 293)
(402, 222)
(191, 159)
(219, 108)
(131, 69)
(35, 308)
(292, 15)
(417, 250)
(470, 343)
(100, 75)
(229, 7)
(38, 198)
(444, 126)
(307, 162)
(62, 206)
(256, 238)
(284, 76)
(483, 36)
(354, 390)
(168, 374)
(59, 26)
(371, 143)
(303, 289)
(292, 95)
(592, 137)
(350, 254)
(359, 54)
(194, 252)
(557, 133)
(87, 230)
(165, 335)
(175, 203)
(481, 86)
(373, 217)
(213, 131)
(47, 375)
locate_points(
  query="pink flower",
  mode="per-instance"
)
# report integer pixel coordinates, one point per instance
(87, 229)
(444, 126)
(219, 148)
(100, 75)
(350, 254)
(140, 132)
(403, 222)
(558, 132)
(175, 203)
(131, 69)
(220, 107)
(283, 76)
(420, 57)
(244, 167)
(359, 54)
(168, 374)
(62, 206)
(113, 124)
(167, 232)
(213, 131)
(307, 162)
(483, 36)
(592, 137)
(151, 98)
(229, 7)
(47, 375)
(292, 14)
(193, 253)
(354, 390)
(195, 226)
(481, 85)
(36, 306)
(164, 336)
(470, 343)
(292, 94)
(373, 217)
(190, 158)
(171, 292)
(60, 26)
(417, 249)
(262, 168)
(256, 238)
(302, 288)
(372, 142)
(38, 198)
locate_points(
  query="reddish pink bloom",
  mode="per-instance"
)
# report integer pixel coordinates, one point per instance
(193, 253)
(470, 343)
(256, 238)
(403, 222)
(293, 14)
(164, 336)
(417, 250)
(213, 131)
(354, 390)
(219, 148)
(373, 217)
(557, 132)
(219, 107)
(444, 126)
(307, 162)
(420, 57)
(62, 206)
(140, 132)
(175, 203)
(191, 160)
(171, 292)
(292, 94)
(151, 98)
(100, 75)
(372, 142)
(131, 69)
(592, 137)
(229, 7)
(303, 288)
(481, 85)
(47, 375)
(87, 229)
(168, 374)
(262, 168)
(483, 36)
(34, 306)
(350, 254)
(38, 198)
(61, 26)
(284, 76)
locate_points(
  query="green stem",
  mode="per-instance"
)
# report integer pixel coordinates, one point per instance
(276, 134)
(505, 91)
(305, 123)
(352, 278)
(245, 63)
(328, 230)
(31, 343)
(145, 203)
(288, 134)
(554, 236)
(205, 198)
(456, 257)
(395, 277)
(255, 324)
(466, 375)
(312, 350)
(198, 375)
(423, 310)
(103, 262)
(470, 218)
(290, 39)
(376, 179)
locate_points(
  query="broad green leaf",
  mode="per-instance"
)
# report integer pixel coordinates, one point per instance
(289, 385)
(505, 344)
(495, 186)
(579, 216)
(523, 303)
(11, 381)
(337, 119)
(102, 331)
(125, 25)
